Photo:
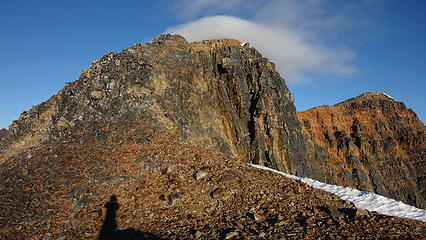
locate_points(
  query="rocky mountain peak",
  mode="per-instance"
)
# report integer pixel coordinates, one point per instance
(371, 142)
(369, 98)
(215, 93)
(157, 138)
(375, 94)
(169, 38)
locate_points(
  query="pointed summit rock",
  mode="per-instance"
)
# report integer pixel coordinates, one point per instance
(371, 142)
(371, 96)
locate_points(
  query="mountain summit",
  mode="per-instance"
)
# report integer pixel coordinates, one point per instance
(371, 142)
(154, 142)
(217, 94)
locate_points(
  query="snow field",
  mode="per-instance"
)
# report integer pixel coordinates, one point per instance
(361, 199)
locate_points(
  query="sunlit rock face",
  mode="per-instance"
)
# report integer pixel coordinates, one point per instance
(371, 142)
(219, 94)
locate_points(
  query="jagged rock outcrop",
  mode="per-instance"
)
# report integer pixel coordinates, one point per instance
(216, 93)
(371, 142)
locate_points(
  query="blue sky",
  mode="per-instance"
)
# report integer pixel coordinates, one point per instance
(327, 50)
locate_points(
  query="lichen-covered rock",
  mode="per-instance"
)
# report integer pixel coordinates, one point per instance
(215, 93)
(371, 142)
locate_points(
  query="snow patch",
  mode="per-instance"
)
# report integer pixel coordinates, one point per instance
(387, 95)
(361, 199)
(244, 44)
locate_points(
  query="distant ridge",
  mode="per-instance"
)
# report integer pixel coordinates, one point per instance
(371, 142)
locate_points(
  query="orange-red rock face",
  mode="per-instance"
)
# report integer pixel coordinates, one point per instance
(371, 142)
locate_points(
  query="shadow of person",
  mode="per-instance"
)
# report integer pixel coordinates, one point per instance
(110, 231)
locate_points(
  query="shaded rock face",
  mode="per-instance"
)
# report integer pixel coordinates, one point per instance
(217, 94)
(372, 143)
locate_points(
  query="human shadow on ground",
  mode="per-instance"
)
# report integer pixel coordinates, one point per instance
(110, 231)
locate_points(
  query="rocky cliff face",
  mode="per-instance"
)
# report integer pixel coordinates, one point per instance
(217, 94)
(371, 142)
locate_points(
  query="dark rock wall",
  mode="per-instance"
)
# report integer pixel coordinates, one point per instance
(372, 143)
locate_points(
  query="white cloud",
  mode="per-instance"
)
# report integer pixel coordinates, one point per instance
(294, 56)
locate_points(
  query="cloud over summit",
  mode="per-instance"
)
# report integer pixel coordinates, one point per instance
(294, 55)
